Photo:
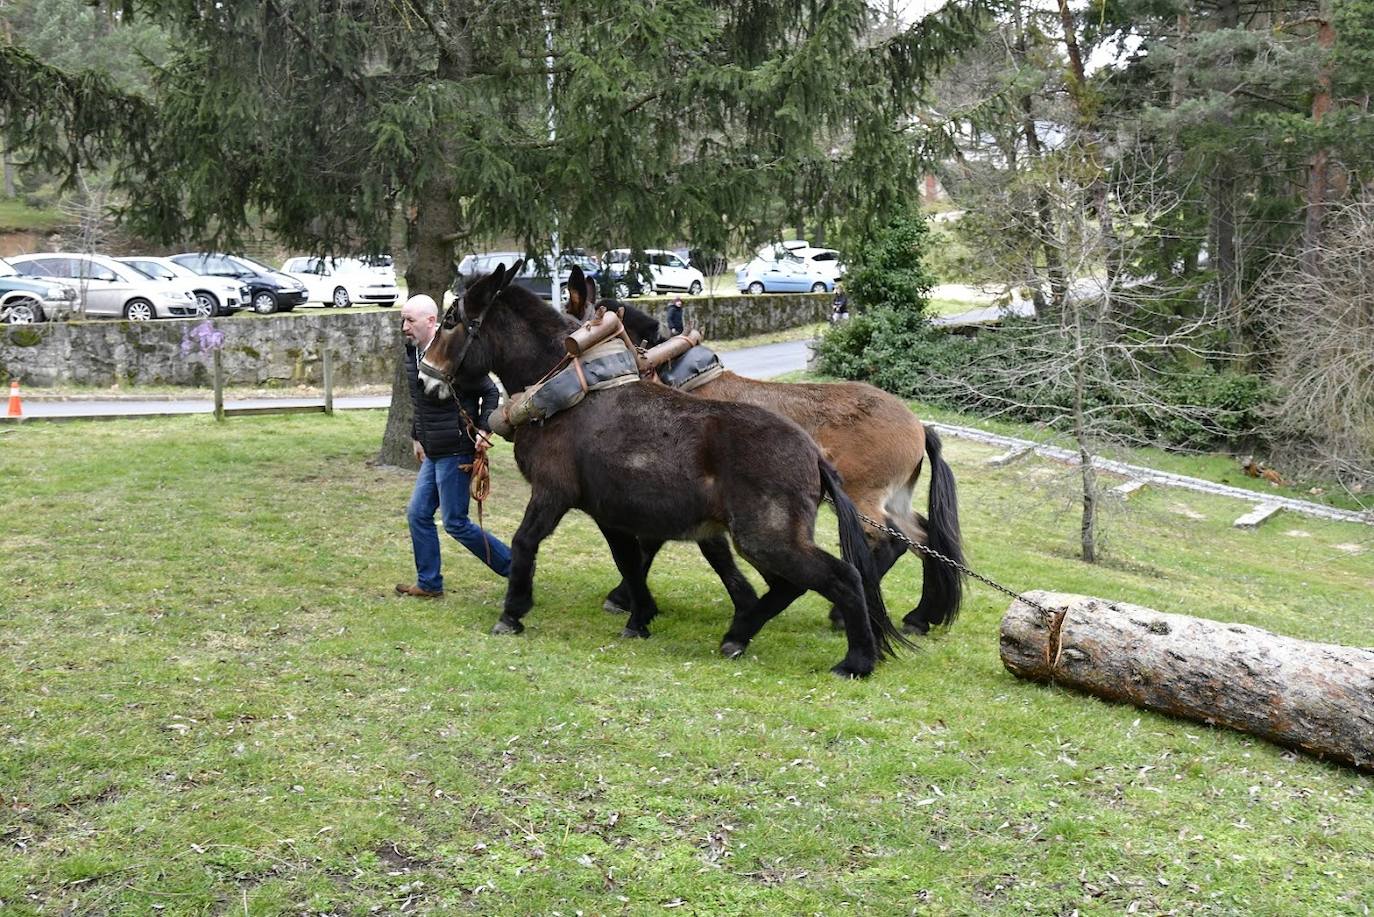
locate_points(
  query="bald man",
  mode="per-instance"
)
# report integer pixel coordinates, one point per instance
(442, 446)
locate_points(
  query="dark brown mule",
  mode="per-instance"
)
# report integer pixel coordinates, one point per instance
(650, 464)
(879, 448)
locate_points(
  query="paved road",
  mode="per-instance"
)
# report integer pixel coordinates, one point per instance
(986, 316)
(767, 361)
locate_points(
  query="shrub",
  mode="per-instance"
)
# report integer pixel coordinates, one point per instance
(890, 272)
(1180, 407)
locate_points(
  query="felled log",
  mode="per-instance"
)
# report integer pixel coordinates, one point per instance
(1317, 697)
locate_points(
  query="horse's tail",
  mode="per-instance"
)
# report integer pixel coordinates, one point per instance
(854, 549)
(943, 591)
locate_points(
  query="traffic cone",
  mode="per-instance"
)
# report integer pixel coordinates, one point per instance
(15, 409)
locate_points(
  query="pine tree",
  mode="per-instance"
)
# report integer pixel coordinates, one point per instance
(602, 122)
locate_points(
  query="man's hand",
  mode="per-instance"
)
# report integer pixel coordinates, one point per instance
(419, 450)
(483, 441)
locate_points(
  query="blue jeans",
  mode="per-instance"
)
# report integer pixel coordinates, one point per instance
(441, 484)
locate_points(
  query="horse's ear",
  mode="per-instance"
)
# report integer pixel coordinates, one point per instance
(514, 272)
(591, 292)
(577, 293)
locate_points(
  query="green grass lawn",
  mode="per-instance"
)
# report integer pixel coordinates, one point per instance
(15, 215)
(210, 703)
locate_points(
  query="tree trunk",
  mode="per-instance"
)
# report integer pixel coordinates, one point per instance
(429, 256)
(9, 173)
(1178, 84)
(431, 228)
(1318, 180)
(1049, 242)
(1223, 192)
(1078, 81)
(1317, 697)
(1088, 527)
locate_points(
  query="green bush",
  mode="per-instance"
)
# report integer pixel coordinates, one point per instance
(890, 272)
(1234, 401)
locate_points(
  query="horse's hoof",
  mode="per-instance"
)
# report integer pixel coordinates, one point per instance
(612, 607)
(506, 627)
(733, 649)
(848, 670)
(630, 633)
(915, 628)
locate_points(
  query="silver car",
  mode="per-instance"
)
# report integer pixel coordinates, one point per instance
(214, 295)
(107, 288)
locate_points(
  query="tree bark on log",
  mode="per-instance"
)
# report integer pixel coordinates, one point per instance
(1317, 697)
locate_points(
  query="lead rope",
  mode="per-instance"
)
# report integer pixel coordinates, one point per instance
(1053, 648)
(479, 475)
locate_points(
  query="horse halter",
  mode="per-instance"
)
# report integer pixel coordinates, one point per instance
(455, 315)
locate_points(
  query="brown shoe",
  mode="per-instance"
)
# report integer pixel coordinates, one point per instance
(417, 592)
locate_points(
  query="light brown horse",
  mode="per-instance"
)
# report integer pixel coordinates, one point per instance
(878, 446)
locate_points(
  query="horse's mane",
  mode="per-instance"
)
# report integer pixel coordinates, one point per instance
(546, 321)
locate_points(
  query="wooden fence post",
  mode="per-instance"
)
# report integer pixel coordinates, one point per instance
(328, 381)
(217, 360)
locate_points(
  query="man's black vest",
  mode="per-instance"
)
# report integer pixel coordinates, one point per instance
(437, 424)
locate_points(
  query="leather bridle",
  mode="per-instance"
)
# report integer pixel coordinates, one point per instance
(456, 314)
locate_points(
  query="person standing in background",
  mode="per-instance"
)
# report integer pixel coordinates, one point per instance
(675, 316)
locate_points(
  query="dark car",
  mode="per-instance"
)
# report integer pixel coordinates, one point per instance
(533, 277)
(270, 290)
(619, 278)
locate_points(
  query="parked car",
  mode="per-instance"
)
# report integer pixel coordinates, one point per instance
(824, 260)
(381, 265)
(710, 263)
(784, 272)
(25, 298)
(269, 290)
(534, 277)
(340, 282)
(668, 271)
(615, 277)
(105, 287)
(214, 295)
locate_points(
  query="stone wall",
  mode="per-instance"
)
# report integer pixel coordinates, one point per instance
(286, 349)
(721, 318)
(282, 350)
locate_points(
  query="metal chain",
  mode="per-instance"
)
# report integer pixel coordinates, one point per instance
(949, 561)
